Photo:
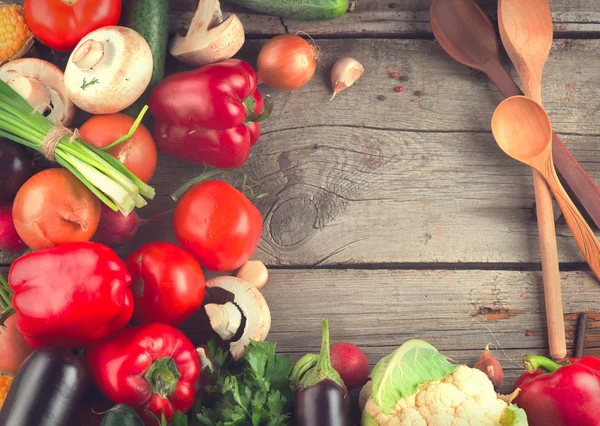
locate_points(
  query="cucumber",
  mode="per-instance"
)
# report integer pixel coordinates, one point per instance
(121, 415)
(303, 10)
(150, 18)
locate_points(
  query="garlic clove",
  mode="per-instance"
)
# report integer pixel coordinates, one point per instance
(344, 74)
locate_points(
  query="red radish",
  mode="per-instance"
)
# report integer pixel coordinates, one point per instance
(351, 363)
(9, 239)
(116, 229)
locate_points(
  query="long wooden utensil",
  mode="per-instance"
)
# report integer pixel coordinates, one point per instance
(522, 129)
(467, 34)
(526, 31)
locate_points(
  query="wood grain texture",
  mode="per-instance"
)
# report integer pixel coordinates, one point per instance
(395, 18)
(415, 177)
(377, 176)
(459, 312)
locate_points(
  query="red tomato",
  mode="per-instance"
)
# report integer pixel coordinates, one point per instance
(138, 153)
(168, 284)
(218, 225)
(61, 24)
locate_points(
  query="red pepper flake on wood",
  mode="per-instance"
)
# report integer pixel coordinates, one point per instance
(399, 89)
(527, 333)
(522, 295)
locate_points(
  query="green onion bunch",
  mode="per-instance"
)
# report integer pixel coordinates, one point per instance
(103, 174)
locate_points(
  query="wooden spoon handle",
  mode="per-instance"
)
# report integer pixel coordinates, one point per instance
(551, 273)
(582, 185)
(584, 236)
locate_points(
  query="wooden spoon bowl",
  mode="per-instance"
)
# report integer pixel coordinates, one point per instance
(464, 31)
(522, 129)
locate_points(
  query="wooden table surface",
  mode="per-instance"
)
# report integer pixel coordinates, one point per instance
(395, 215)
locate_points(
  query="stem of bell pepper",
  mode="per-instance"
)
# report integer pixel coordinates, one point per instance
(251, 116)
(163, 376)
(535, 362)
(176, 196)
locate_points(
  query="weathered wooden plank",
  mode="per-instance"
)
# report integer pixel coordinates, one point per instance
(400, 18)
(459, 312)
(415, 177)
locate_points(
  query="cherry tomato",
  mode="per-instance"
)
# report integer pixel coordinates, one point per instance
(138, 153)
(61, 24)
(168, 284)
(218, 225)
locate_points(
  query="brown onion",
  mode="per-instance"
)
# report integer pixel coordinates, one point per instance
(54, 207)
(287, 62)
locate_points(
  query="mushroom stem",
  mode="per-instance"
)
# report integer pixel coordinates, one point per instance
(88, 55)
(206, 13)
(225, 319)
(30, 89)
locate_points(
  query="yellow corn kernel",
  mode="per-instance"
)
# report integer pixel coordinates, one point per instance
(14, 32)
(5, 382)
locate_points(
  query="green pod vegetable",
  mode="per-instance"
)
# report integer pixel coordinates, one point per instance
(150, 18)
(304, 10)
(121, 415)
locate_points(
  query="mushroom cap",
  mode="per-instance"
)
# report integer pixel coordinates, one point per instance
(254, 307)
(115, 67)
(218, 44)
(51, 77)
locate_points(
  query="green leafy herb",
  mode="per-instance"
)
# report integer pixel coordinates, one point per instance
(399, 374)
(89, 83)
(253, 391)
(514, 416)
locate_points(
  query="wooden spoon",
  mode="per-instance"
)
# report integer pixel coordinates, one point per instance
(526, 31)
(522, 130)
(467, 34)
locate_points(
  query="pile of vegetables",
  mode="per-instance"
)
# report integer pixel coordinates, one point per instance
(73, 293)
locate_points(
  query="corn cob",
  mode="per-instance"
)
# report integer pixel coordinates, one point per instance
(15, 36)
(5, 382)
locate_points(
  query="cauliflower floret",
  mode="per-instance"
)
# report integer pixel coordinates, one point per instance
(464, 398)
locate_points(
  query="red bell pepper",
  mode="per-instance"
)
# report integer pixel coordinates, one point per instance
(150, 367)
(72, 295)
(209, 115)
(560, 394)
(61, 24)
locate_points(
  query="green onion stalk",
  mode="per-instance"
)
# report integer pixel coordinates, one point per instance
(103, 174)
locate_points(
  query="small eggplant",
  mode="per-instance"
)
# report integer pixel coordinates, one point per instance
(46, 390)
(322, 399)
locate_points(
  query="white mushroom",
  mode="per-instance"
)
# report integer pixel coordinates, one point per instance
(253, 306)
(42, 85)
(109, 70)
(204, 360)
(209, 39)
(225, 319)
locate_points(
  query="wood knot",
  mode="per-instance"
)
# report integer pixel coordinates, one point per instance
(293, 221)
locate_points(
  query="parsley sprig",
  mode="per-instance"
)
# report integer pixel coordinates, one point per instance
(253, 391)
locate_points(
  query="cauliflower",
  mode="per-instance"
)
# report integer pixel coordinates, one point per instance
(417, 386)
(464, 398)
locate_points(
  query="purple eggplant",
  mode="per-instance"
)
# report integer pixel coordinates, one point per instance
(322, 399)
